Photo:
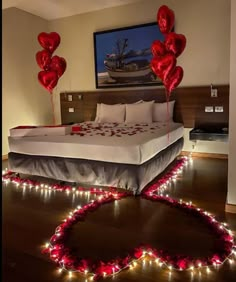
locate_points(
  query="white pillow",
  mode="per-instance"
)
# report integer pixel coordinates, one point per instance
(141, 112)
(111, 113)
(97, 113)
(160, 112)
(99, 105)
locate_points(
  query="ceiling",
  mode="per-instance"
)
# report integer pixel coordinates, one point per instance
(54, 9)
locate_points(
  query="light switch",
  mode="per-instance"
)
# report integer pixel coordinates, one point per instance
(69, 97)
(219, 109)
(71, 110)
(209, 109)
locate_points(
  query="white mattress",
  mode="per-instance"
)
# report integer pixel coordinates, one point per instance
(109, 142)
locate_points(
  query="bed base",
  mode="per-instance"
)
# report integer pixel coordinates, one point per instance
(96, 173)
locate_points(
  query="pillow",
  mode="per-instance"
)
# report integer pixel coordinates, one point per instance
(97, 113)
(141, 112)
(160, 111)
(99, 105)
(112, 113)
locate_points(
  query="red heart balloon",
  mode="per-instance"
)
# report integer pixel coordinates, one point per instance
(158, 48)
(43, 59)
(58, 64)
(48, 79)
(49, 41)
(165, 19)
(173, 79)
(162, 66)
(175, 43)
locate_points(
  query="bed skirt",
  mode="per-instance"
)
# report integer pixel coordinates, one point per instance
(88, 172)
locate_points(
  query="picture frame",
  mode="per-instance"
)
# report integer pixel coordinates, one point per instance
(122, 56)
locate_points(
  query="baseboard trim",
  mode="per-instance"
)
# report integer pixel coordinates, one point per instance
(4, 157)
(205, 155)
(230, 208)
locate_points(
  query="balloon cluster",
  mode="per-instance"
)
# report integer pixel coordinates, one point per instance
(165, 53)
(52, 67)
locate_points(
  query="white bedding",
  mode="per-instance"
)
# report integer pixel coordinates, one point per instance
(109, 142)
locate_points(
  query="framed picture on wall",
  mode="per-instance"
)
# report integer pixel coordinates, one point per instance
(123, 55)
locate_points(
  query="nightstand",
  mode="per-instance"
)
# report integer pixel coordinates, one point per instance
(209, 134)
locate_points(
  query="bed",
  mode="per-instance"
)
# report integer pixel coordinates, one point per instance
(129, 167)
(121, 155)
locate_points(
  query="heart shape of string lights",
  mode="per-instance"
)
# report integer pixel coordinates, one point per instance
(62, 256)
(66, 261)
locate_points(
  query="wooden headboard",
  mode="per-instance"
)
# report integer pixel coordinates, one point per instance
(189, 107)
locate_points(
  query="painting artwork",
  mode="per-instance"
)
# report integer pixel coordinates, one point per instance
(122, 56)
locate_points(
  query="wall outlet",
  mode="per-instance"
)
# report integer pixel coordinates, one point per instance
(219, 109)
(214, 92)
(71, 110)
(209, 109)
(69, 97)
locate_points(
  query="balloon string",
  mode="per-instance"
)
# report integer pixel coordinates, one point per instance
(168, 115)
(53, 110)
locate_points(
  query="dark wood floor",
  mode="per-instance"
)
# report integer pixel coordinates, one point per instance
(30, 218)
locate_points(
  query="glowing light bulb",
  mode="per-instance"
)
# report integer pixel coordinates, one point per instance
(231, 261)
(85, 271)
(47, 245)
(170, 267)
(199, 265)
(70, 274)
(60, 270)
(104, 274)
(208, 270)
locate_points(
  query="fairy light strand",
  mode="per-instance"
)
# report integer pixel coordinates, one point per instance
(154, 192)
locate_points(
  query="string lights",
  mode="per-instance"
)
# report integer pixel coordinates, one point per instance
(60, 254)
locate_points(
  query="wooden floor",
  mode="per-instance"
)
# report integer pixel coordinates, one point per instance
(30, 218)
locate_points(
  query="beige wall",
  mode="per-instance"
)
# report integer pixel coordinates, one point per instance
(231, 198)
(24, 100)
(205, 59)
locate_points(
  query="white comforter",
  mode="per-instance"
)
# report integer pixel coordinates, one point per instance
(109, 142)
